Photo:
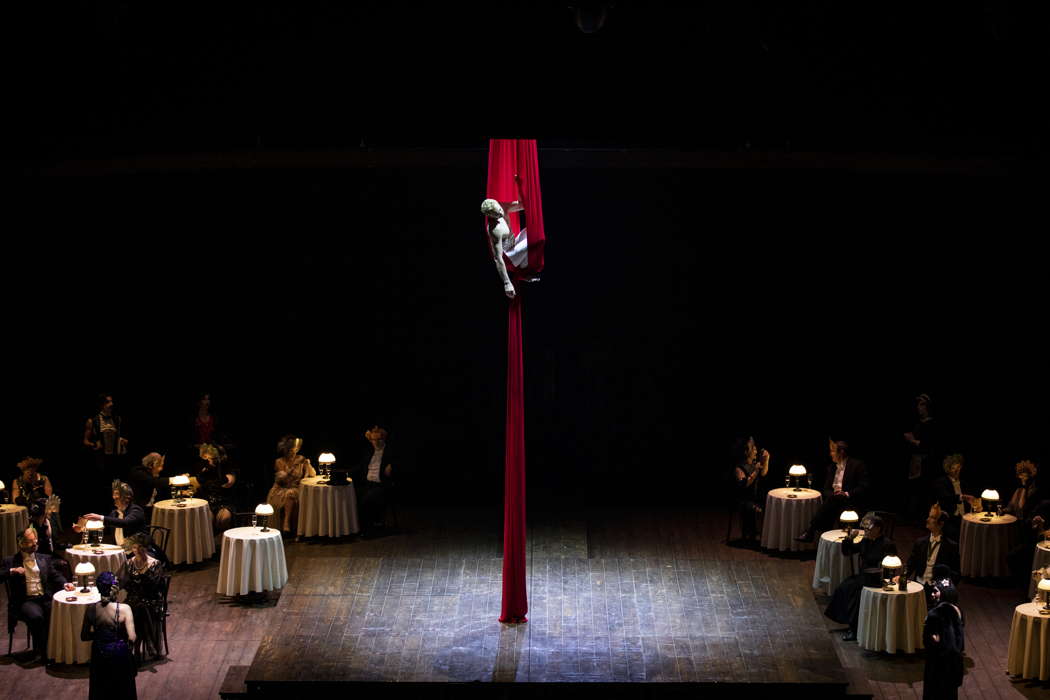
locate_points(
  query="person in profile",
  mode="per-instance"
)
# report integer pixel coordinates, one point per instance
(373, 480)
(844, 487)
(290, 468)
(752, 465)
(944, 642)
(951, 495)
(845, 601)
(934, 556)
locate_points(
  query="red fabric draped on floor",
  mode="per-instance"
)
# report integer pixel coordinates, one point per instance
(514, 176)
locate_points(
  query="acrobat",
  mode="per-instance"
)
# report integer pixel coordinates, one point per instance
(501, 241)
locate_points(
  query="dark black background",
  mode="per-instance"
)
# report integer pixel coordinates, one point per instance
(680, 308)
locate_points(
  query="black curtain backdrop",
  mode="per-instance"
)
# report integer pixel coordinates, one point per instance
(680, 309)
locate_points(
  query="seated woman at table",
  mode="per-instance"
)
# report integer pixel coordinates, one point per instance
(845, 601)
(143, 581)
(1027, 505)
(291, 468)
(126, 519)
(30, 485)
(943, 640)
(1026, 496)
(216, 479)
(752, 465)
(110, 628)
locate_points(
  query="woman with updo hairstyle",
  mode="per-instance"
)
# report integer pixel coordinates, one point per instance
(215, 484)
(1026, 497)
(291, 468)
(110, 628)
(143, 583)
(31, 485)
(943, 639)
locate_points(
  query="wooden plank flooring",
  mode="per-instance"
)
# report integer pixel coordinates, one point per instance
(644, 596)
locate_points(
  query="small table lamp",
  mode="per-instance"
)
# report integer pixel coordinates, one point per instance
(797, 471)
(83, 570)
(849, 520)
(890, 564)
(94, 527)
(1044, 586)
(2, 487)
(325, 461)
(989, 498)
(264, 510)
(179, 484)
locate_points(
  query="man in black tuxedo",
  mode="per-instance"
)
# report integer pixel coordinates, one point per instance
(932, 552)
(951, 496)
(844, 488)
(374, 480)
(126, 519)
(34, 579)
(147, 483)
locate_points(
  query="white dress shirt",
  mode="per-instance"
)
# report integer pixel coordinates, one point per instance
(959, 510)
(836, 485)
(375, 464)
(931, 557)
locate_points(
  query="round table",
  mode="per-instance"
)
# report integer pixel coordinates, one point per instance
(104, 557)
(983, 546)
(1040, 559)
(67, 618)
(892, 621)
(191, 538)
(1029, 643)
(788, 513)
(13, 520)
(832, 566)
(326, 510)
(252, 561)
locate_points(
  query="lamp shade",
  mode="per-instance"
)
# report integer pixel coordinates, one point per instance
(326, 458)
(84, 568)
(797, 470)
(2, 487)
(94, 525)
(264, 509)
(891, 562)
(1044, 584)
(849, 516)
(990, 495)
(179, 480)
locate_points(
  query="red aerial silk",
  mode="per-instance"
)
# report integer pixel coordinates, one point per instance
(514, 176)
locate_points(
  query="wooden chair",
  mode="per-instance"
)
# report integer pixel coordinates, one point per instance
(165, 584)
(12, 621)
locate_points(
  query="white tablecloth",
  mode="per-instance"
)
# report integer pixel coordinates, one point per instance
(326, 511)
(832, 565)
(63, 641)
(191, 539)
(1040, 559)
(1029, 643)
(112, 558)
(983, 546)
(892, 620)
(787, 514)
(252, 560)
(13, 520)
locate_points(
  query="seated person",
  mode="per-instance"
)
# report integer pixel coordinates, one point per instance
(34, 580)
(126, 519)
(844, 488)
(40, 519)
(950, 495)
(142, 582)
(147, 483)
(1026, 504)
(1027, 496)
(845, 601)
(215, 485)
(752, 466)
(373, 479)
(934, 556)
(290, 469)
(31, 485)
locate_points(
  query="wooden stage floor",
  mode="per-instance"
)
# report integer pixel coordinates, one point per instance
(616, 597)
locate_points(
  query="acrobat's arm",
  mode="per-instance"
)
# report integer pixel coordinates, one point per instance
(501, 267)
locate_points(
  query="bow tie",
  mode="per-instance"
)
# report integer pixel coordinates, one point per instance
(935, 540)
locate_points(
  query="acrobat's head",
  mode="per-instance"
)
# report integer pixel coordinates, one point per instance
(492, 209)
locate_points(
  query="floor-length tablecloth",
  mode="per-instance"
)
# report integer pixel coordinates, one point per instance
(788, 513)
(891, 621)
(191, 539)
(112, 558)
(832, 566)
(326, 510)
(13, 520)
(63, 641)
(983, 546)
(1029, 655)
(1040, 559)
(252, 561)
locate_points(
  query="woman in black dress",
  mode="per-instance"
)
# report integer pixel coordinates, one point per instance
(216, 479)
(942, 637)
(110, 628)
(752, 464)
(143, 580)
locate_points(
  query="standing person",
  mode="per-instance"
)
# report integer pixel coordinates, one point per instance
(110, 627)
(751, 467)
(290, 469)
(921, 440)
(951, 496)
(373, 480)
(142, 580)
(104, 436)
(942, 637)
(34, 580)
(845, 486)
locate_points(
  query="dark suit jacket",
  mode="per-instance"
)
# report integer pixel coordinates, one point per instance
(854, 479)
(360, 472)
(872, 552)
(947, 554)
(945, 495)
(51, 579)
(134, 521)
(143, 482)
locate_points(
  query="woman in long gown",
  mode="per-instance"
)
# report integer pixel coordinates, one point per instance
(942, 637)
(110, 628)
(143, 581)
(291, 468)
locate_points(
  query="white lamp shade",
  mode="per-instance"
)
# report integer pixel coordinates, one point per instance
(84, 568)
(2, 487)
(797, 470)
(990, 495)
(326, 458)
(180, 480)
(94, 525)
(264, 509)
(1044, 584)
(849, 516)
(891, 562)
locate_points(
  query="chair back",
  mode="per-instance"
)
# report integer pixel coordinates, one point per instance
(158, 534)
